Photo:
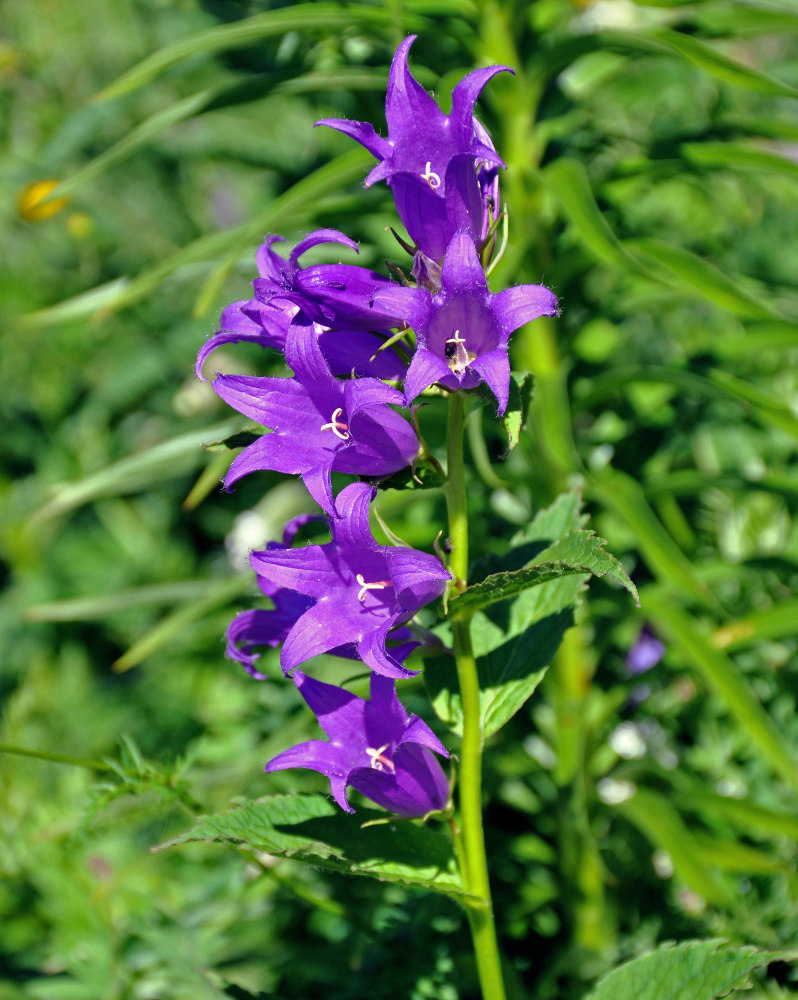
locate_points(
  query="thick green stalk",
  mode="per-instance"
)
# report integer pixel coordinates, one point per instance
(475, 873)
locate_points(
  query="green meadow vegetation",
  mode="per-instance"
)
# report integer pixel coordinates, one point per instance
(148, 147)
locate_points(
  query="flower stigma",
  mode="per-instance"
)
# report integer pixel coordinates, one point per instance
(431, 177)
(338, 427)
(377, 585)
(459, 357)
(378, 762)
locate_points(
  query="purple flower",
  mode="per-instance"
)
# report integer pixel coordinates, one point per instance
(430, 159)
(339, 296)
(361, 590)
(319, 423)
(462, 333)
(374, 746)
(265, 320)
(646, 653)
(269, 627)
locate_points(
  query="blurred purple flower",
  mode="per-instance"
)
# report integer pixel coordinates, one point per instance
(319, 423)
(430, 159)
(361, 590)
(462, 333)
(374, 746)
(646, 653)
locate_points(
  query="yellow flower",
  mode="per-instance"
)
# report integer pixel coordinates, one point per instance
(31, 204)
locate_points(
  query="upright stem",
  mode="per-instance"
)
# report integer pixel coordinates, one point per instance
(475, 873)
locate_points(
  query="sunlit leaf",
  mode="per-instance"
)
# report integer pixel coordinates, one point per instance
(692, 970)
(311, 829)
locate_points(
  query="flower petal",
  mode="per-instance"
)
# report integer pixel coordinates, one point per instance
(515, 306)
(351, 529)
(494, 368)
(311, 570)
(317, 755)
(323, 627)
(314, 239)
(464, 97)
(412, 115)
(463, 198)
(418, 577)
(425, 368)
(318, 482)
(362, 132)
(462, 271)
(374, 654)
(359, 394)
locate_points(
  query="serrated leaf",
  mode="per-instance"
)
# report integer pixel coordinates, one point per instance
(513, 420)
(579, 551)
(693, 970)
(310, 828)
(514, 641)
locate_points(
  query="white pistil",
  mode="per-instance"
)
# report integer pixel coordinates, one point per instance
(378, 762)
(460, 357)
(431, 177)
(377, 585)
(338, 427)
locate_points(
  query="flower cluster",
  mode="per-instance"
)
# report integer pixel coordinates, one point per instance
(341, 411)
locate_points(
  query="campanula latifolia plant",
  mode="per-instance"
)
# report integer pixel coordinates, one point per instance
(366, 350)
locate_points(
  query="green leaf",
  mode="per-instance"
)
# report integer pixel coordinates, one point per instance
(172, 625)
(321, 18)
(663, 825)
(579, 551)
(744, 20)
(680, 268)
(724, 67)
(241, 439)
(568, 180)
(693, 970)
(736, 155)
(513, 420)
(514, 641)
(312, 829)
(692, 639)
(625, 496)
(105, 605)
(136, 472)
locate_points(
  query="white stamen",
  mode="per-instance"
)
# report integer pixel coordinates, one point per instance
(377, 585)
(461, 358)
(378, 762)
(338, 427)
(431, 177)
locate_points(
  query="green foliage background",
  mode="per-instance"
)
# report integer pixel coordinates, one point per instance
(652, 183)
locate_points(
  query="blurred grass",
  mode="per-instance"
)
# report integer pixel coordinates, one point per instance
(652, 183)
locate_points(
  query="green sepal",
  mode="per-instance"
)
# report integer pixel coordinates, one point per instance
(513, 420)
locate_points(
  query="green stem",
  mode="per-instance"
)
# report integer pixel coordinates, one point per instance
(475, 866)
(55, 758)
